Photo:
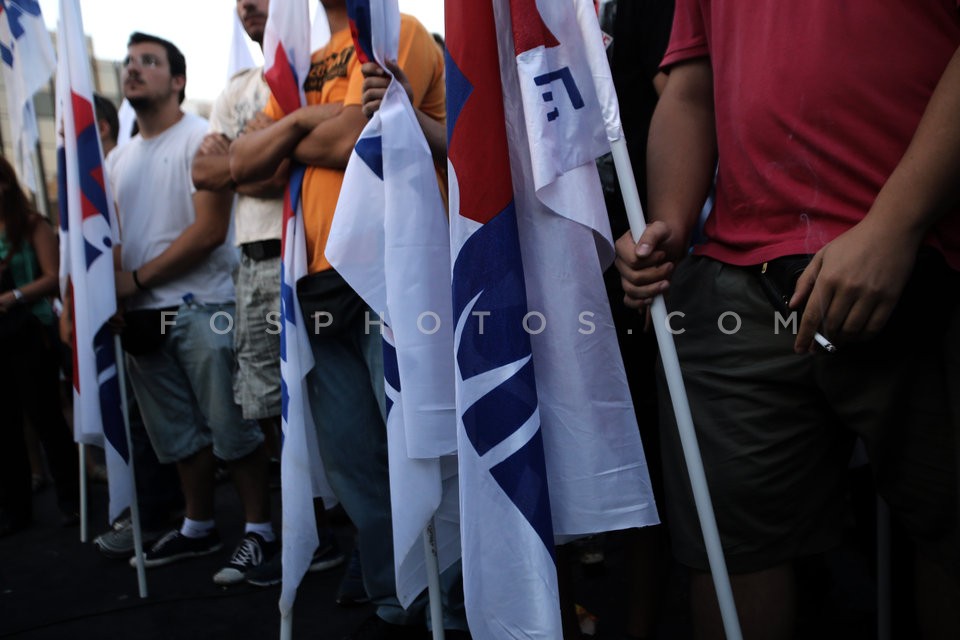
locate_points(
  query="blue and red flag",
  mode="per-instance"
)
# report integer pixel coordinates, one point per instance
(505, 501)
(286, 48)
(390, 241)
(549, 446)
(27, 60)
(88, 231)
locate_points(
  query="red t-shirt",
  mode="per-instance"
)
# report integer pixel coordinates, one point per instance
(816, 102)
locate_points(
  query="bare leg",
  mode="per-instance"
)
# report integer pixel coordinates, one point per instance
(250, 477)
(766, 604)
(196, 478)
(271, 437)
(938, 601)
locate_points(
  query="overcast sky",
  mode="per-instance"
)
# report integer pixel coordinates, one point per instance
(201, 28)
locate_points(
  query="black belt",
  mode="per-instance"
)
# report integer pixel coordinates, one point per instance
(261, 250)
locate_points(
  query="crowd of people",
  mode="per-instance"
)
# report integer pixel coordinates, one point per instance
(833, 152)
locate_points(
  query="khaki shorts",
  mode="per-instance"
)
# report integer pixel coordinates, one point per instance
(776, 429)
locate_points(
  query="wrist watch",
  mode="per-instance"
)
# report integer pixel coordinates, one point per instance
(18, 296)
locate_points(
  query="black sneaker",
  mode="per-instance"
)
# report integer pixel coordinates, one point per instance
(328, 555)
(252, 551)
(351, 590)
(176, 546)
(375, 628)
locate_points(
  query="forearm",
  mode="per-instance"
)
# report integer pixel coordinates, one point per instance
(330, 143)
(435, 132)
(211, 172)
(923, 188)
(682, 148)
(272, 187)
(258, 154)
(196, 243)
(42, 287)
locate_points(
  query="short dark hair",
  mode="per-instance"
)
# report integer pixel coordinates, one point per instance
(178, 64)
(107, 111)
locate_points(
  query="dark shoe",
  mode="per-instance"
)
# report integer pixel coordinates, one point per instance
(351, 590)
(328, 555)
(375, 628)
(118, 542)
(267, 574)
(176, 546)
(252, 551)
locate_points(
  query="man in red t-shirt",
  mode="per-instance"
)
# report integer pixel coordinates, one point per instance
(836, 129)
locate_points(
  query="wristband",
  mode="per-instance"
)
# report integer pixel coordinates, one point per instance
(136, 281)
(18, 296)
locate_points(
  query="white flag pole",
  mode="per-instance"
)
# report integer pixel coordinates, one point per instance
(433, 580)
(681, 407)
(82, 451)
(286, 626)
(134, 505)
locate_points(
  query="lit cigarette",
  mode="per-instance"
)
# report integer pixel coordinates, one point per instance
(823, 342)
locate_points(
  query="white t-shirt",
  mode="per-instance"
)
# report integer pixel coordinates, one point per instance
(245, 96)
(153, 190)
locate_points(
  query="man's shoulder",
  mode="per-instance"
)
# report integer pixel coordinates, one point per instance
(241, 83)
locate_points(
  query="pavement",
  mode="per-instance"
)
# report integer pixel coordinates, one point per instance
(52, 586)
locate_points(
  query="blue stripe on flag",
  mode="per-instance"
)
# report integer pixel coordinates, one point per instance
(370, 150)
(523, 477)
(489, 264)
(458, 91)
(498, 414)
(109, 391)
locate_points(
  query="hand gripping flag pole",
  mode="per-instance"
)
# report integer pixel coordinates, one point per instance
(668, 352)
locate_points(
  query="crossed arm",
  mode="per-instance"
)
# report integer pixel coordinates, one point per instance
(317, 135)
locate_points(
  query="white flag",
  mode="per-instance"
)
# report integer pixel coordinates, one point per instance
(28, 61)
(390, 241)
(287, 54)
(88, 231)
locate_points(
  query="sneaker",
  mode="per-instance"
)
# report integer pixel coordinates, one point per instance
(267, 574)
(118, 541)
(328, 555)
(176, 546)
(375, 628)
(249, 554)
(270, 573)
(351, 590)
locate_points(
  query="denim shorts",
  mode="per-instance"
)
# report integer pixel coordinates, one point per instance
(185, 389)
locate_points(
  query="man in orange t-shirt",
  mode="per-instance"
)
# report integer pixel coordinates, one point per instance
(346, 386)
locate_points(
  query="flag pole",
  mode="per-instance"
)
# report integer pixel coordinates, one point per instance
(433, 580)
(134, 505)
(681, 407)
(286, 626)
(82, 451)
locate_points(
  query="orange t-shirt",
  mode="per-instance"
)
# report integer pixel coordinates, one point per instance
(335, 77)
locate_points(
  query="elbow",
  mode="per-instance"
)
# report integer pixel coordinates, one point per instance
(200, 178)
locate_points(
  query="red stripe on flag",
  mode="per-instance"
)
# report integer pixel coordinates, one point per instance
(529, 30)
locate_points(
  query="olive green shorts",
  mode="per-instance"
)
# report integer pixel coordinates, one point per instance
(776, 429)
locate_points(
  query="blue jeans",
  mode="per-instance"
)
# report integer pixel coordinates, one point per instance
(347, 402)
(348, 406)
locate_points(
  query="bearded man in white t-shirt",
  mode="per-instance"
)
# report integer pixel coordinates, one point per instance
(175, 285)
